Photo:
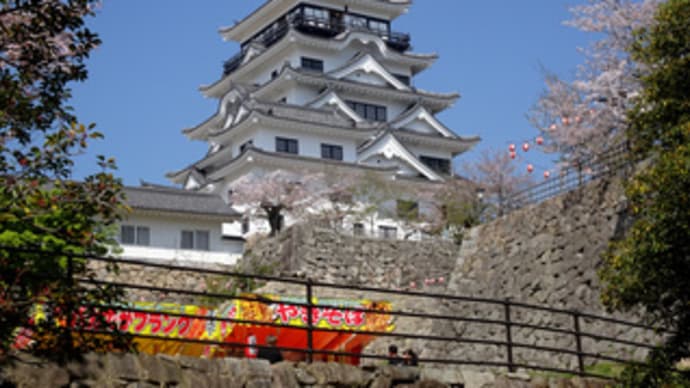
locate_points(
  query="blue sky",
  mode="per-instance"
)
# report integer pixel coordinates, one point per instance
(142, 89)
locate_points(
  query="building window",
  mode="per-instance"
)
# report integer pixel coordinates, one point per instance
(437, 164)
(135, 235)
(355, 22)
(274, 74)
(358, 229)
(245, 225)
(312, 13)
(195, 239)
(369, 111)
(288, 146)
(246, 145)
(388, 232)
(408, 210)
(329, 151)
(379, 27)
(312, 64)
(403, 78)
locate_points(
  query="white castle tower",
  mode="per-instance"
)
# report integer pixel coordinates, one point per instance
(323, 83)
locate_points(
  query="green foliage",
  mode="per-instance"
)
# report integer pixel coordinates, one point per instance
(650, 268)
(46, 218)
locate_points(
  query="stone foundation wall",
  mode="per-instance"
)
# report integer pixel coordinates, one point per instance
(547, 254)
(328, 256)
(143, 371)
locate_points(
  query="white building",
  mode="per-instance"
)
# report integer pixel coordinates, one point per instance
(178, 225)
(323, 84)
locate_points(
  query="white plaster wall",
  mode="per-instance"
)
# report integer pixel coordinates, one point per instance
(264, 66)
(301, 95)
(421, 126)
(309, 143)
(166, 232)
(372, 79)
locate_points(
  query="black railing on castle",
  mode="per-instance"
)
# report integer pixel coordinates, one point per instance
(577, 174)
(504, 318)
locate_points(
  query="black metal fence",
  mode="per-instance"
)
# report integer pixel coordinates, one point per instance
(577, 174)
(506, 321)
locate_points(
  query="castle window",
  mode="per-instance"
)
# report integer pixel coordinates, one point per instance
(288, 146)
(437, 164)
(369, 111)
(403, 78)
(246, 145)
(195, 239)
(312, 64)
(358, 229)
(330, 151)
(135, 235)
(379, 27)
(388, 232)
(355, 22)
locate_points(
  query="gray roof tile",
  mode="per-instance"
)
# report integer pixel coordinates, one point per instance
(174, 200)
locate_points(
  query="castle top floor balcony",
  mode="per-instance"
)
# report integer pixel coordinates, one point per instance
(321, 22)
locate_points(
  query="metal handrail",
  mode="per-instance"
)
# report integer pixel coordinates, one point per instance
(575, 176)
(508, 320)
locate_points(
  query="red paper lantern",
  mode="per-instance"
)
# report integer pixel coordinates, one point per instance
(553, 127)
(511, 148)
(530, 168)
(513, 155)
(547, 174)
(565, 121)
(525, 147)
(540, 140)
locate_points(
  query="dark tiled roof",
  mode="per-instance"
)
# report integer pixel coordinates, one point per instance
(174, 200)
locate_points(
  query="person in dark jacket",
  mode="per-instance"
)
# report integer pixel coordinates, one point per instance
(410, 358)
(271, 353)
(393, 357)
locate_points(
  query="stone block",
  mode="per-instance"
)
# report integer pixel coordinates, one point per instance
(284, 376)
(123, 366)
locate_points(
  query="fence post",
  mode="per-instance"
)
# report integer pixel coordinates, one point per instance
(310, 323)
(509, 336)
(578, 342)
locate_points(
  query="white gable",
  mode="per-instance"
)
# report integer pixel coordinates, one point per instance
(421, 120)
(332, 99)
(389, 148)
(367, 69)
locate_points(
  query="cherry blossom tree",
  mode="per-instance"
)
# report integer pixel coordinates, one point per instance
(282, 192)
(582, 117)
(496, 179)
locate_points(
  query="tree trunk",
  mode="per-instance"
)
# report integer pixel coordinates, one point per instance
(274, 218)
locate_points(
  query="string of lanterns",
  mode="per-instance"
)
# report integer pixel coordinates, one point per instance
(526, 146)
(566, 121)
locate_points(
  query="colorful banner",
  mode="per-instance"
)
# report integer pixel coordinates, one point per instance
(159, 322)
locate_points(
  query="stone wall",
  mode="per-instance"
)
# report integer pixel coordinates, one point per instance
(164, 278)
(546, 254)
(328, 256)
(143, 371)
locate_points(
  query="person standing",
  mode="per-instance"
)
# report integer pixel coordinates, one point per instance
(393, 357)
(410, 358)
(270, 352)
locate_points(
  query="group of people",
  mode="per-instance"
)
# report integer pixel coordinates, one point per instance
(271, 353)
(409, 357)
